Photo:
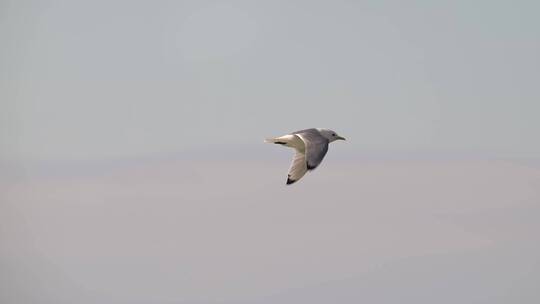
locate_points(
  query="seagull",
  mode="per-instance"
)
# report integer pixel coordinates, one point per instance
(311, 146)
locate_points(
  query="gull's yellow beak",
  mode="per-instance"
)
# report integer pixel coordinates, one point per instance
(342, 138)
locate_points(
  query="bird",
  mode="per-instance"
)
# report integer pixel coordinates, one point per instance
(310, 147)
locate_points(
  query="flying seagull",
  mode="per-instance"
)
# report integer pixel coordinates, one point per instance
(311, 146)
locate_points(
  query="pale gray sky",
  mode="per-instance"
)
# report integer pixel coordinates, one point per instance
(101, 79)
(219, 232)
(133, 168)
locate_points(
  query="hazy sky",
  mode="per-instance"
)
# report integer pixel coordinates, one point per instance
(224, 232)
(145, 122)
(101, 79)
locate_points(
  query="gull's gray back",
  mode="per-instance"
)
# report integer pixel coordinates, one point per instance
(316, 146)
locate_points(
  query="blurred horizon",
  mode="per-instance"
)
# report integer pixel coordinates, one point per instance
(179, 231)
(133, 168)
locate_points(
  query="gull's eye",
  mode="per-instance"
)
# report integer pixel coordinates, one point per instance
(333, 134)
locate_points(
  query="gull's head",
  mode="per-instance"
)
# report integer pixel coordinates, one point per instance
(330, 135)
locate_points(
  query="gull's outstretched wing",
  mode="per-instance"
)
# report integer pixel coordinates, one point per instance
(298, 167)
(316, 147)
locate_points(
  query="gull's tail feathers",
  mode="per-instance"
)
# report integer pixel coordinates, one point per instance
(278, 141)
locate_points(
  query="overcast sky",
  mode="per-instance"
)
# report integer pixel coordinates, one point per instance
(108, 79)
(222, 232)
(152, 184)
